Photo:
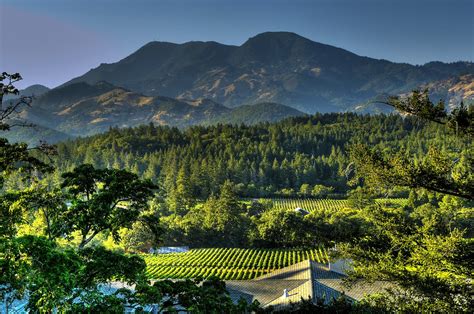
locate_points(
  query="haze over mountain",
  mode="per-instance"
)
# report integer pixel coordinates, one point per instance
(277, 67)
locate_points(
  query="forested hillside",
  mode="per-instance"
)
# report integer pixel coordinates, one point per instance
(262, 160)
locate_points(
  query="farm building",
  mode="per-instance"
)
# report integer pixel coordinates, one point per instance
(307, 280)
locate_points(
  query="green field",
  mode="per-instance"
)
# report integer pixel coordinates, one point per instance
(326, 204)
(227, 263)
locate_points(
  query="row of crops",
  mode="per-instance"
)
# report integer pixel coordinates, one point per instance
(327, 204)
(227, 263)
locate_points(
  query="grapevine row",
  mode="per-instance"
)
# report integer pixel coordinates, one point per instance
(227, 263)
(326, 204)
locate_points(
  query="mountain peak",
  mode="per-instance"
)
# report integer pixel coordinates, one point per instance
(278, 35)
(288, 48)
(37, 87)
(276, 40)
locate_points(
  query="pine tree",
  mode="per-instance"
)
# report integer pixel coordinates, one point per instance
(181, 199)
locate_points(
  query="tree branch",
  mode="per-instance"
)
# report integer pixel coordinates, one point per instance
(86, 240)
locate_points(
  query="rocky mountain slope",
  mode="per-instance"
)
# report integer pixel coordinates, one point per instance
(453, 90)
(277, 67)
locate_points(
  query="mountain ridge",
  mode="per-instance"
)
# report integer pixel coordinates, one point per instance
(280, 67)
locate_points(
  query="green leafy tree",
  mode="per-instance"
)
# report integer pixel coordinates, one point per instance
(437, 171)
(321, 191)
(209, 296)
(440, 171)
(278, 228)
(460, 120)
(102, 200)
(424, 249)
(14, 158)
(305, 190)
(143, 235)
(181, 198)
(38, 202)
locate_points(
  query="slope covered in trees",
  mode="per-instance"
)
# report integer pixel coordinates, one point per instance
(276, 159)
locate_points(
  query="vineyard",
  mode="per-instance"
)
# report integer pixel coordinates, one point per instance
(242, 264)
(227, 263)
(326, 204)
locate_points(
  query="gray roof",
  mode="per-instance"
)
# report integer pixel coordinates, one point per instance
(268, 289)
(301, 211)
(307, 279)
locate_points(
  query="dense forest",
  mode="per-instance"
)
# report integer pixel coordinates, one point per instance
(294, 157)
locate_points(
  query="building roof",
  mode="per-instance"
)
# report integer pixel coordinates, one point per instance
(268, 289)
(307, 280)
(301, 211)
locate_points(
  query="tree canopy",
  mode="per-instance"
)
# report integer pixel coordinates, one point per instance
(424, 248)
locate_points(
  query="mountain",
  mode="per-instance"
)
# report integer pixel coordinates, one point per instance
(33, 90)
(208, 82)
(279, 67)
(81, 109)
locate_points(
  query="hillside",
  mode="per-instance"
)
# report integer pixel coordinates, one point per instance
(34, 135)
(252, 114)
(276, 67)
(263, 160)
(82, 109)
(453, 90)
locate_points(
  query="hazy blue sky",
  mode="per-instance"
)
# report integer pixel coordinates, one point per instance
(51, 41)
